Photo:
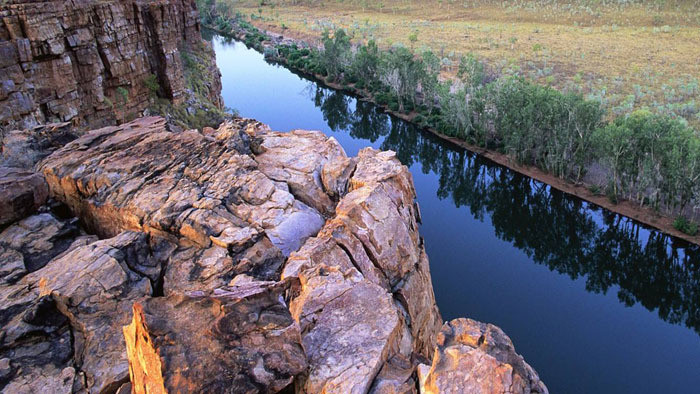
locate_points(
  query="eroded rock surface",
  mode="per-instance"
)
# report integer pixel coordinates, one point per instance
(24, 148)
(237, 339)
(475, 357)
(31, 243)
(366, 297)
(61, 324)
(202, 193)
(245, 260)
(22, 192)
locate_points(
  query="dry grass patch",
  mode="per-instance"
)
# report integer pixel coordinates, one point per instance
(629, 54)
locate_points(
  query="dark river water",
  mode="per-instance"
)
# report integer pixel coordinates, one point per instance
(595, 302)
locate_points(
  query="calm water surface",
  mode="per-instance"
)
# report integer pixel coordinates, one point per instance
(595, 302)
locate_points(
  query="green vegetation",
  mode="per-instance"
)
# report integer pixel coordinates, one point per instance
(592, 47)
(651, 159)
(683, 225)
(151, 82)
(122, 95)
(198, 111)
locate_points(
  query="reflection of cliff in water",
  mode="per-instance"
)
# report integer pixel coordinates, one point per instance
(563, 232)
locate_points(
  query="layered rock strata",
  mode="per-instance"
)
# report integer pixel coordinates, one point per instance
(89, 61)
(233, 259)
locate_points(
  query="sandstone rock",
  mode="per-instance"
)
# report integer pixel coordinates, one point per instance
(72, 61)
(260, 261)
(237, 339)
(279, 159)
(69, 314)
(21, 193)
(203, 193)
(476, 357)
(365, 298)
(30, 244)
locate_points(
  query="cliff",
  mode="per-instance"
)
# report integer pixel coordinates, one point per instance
(96, 63)
(235, 259)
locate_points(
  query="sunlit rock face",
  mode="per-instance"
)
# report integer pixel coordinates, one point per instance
(231, 257)
(475, 357)
(366, 301)
(240, 338)
(86, 61)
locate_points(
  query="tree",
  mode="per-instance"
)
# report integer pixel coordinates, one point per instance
(366, 63)
(429, 79)
(336, 52)
(402, 73)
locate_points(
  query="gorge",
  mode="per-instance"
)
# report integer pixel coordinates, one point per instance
(254, 256)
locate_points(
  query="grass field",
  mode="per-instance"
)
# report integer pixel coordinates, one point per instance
(628, 54)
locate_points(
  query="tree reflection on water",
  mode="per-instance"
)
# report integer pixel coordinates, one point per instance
(562, 232)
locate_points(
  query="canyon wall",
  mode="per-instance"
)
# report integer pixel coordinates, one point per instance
(95, 63)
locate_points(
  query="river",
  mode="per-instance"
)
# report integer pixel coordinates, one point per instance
(594, 301)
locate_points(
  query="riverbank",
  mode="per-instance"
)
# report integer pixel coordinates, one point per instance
(644, 215)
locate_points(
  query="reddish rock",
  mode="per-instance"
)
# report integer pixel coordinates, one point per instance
(73, 61)
(477, 358)
(237, 339)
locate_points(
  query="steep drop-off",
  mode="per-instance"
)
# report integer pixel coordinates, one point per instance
(95, 63)
(233, 260)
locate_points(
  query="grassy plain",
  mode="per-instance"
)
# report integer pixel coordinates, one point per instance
(628, 54)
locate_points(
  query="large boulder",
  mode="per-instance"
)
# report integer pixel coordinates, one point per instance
(236, 339)
(314, 177)
(22, 192)
(475, 357)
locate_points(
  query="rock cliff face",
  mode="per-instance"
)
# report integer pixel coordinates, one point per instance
(233, 260)
(87, 61)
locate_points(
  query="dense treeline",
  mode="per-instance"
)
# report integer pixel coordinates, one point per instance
(651, 159)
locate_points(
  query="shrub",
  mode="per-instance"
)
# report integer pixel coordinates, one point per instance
(151, 83)
(685, 226)
(544, 127)
(652, 158)
(122, 94)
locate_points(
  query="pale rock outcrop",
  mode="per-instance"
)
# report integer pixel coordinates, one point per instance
(22, 192)
(245, 260)
(366, 305)
(61, 323)
(203, 194)
(475, 357)
(315, 176)
(236, 339)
